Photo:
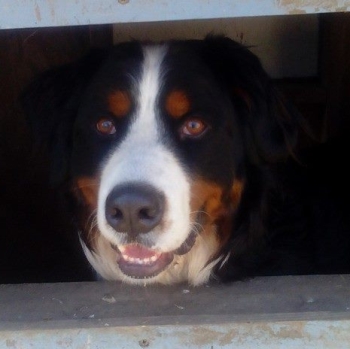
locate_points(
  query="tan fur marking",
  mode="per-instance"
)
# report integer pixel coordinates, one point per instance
(236, 193)
(88, 188)
(210, 196)
(207, 195)
(226, 223)
(177, 104)
(119, 103)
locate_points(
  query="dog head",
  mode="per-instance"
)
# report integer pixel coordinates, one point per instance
(155, 141)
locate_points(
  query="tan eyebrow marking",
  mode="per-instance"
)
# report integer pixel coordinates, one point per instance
(177, 104)
(119, 103)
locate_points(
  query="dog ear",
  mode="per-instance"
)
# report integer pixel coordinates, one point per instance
(51, 103)
(268, 121)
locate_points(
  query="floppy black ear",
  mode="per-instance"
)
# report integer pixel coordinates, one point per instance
(51, 102)
(269, 122)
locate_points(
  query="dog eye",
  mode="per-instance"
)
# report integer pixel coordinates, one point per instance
(105, 126)
(193, 128)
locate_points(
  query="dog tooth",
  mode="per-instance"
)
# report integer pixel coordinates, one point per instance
(127, 258)
(139, 261)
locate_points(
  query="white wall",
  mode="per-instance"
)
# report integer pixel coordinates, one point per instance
(287, 45)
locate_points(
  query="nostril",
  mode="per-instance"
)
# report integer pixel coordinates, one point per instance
(148, 213)
(117, 213)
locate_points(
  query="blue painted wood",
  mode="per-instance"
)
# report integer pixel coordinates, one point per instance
(41, 13)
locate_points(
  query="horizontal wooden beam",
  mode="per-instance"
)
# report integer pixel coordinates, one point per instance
(271, 312)
(43, 13)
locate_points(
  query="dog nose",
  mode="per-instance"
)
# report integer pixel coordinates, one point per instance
(134, 208)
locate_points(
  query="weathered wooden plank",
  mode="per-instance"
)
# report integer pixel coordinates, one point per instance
(288, 312)
(41, 13)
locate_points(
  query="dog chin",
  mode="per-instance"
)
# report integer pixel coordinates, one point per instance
(137, 264)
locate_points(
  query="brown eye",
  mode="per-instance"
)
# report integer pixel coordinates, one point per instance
(193, 128)
(106, 127)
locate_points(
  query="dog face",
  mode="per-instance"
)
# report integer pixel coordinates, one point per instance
(154, 140)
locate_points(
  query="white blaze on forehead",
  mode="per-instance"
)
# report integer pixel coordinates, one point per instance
(146, 124)
(141, 157)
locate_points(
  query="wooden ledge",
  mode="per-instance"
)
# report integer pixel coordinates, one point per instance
(271, 312)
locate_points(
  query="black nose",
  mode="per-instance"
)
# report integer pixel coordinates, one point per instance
(134, 208)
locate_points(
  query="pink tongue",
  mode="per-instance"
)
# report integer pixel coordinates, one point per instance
(138, 251)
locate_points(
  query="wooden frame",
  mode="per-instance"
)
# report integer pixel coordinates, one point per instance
(274, 312)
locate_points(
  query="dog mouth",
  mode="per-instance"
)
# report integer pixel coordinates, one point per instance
(141, 262)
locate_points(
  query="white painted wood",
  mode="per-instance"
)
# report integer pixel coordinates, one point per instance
(42, 13)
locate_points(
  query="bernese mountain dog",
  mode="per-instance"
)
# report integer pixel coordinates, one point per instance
(177, 158)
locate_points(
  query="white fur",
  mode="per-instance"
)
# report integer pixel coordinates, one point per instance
(192, 267)
(142, 157)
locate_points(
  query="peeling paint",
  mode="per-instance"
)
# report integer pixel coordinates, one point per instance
(238, 335)
(297, 12)
(11, 343)
(326, 4)
(37, 13)
(313, 6)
